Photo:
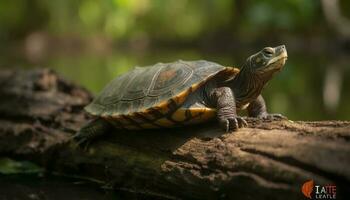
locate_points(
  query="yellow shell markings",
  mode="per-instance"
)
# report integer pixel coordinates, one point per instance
(165, 122)
(197, 115)
(228, 73)
(179, 115)
(148, 126)
(178, 99)
(232, 70)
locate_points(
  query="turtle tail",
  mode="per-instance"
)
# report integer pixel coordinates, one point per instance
(91, 130)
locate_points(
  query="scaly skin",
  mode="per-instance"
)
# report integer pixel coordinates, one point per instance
(226, 109)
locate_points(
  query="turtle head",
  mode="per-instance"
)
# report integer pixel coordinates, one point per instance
(267, 61)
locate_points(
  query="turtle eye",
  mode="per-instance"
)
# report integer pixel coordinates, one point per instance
(268, 51)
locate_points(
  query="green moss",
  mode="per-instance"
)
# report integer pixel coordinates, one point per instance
(10, 166)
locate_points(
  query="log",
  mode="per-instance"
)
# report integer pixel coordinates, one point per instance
(40, 111)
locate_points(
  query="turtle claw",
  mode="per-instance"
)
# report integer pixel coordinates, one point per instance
(278, 116)
(242, 122)
(274, 116)
(226, 125)
(233, 123)
(81, 142)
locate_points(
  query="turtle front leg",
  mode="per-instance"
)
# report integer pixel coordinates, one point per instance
(257, 108)
(226, 109)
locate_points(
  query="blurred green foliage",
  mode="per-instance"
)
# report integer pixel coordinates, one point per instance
(166, 19)
(92, 41)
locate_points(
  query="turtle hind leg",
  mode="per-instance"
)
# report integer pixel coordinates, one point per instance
(91, 130)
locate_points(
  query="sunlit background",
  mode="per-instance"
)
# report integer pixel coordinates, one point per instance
(91, 42)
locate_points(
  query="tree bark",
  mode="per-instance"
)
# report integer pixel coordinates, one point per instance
(40, 111)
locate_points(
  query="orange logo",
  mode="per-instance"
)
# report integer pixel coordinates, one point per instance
(307, 188)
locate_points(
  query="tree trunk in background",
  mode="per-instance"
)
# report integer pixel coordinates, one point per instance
(39, 112)
(334, 17)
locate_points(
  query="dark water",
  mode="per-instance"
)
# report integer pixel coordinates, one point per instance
(50, 187)
(23, 180)
(312, 86)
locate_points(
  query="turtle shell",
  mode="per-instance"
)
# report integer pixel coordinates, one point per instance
(154, 90)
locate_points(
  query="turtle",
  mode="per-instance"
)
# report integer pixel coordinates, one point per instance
(182, 93)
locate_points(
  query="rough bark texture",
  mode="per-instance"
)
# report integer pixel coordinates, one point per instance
(39, 112)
